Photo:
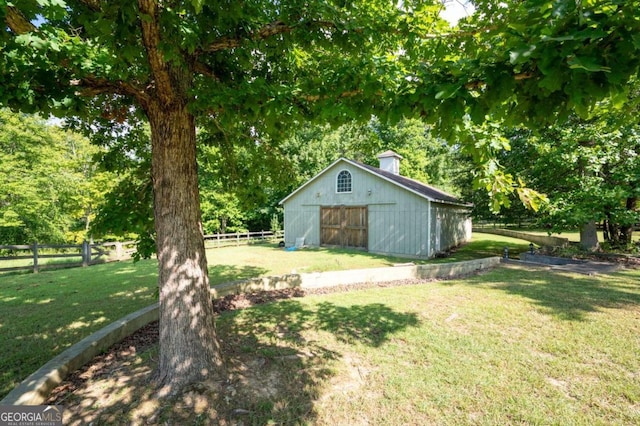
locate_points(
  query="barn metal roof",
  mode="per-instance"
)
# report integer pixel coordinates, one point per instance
(426, 191)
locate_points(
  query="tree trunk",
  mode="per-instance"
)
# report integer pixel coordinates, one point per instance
(626, 231)
(589, 236)
(189, 350)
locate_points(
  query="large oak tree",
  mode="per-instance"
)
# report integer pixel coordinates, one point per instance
(171, 63)
(177, 64)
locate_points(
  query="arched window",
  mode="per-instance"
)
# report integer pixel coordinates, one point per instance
(343, 183)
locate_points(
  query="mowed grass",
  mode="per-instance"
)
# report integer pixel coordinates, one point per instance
(510, 346)
(43, 314)
(247, 262)
(572, 236)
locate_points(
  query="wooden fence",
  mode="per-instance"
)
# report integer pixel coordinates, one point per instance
(238, 238)
(48, 256)
(42, 256)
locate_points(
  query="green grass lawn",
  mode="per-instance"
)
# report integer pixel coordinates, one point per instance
(43, 314)
(241, 262)
(573, 236)
(512, 346)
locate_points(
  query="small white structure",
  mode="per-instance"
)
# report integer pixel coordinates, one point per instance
(350, 204)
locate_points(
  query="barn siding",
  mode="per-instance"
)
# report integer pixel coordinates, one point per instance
(322, 192)
(302, 221)
(450, 227)
(398, 220)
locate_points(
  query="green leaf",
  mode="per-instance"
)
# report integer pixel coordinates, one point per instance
(197, 5)
(552, 82)
(587, 64)
(562, 38)
(532, 199)
(448, 91)
(521, 55)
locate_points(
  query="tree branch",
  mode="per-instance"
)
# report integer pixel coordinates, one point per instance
(343, 95)
(92, 4)
(279, 27)
(205, 70)
(16, 21)
(92, 86)
(473, 85)
(269, 30)
(456, 34)
(151, 41)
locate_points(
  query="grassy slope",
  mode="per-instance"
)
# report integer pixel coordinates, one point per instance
(573, 236)
(43, 314)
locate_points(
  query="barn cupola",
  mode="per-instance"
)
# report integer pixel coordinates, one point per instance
(390, 162)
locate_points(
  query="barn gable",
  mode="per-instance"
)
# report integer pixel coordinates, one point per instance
(351, 204)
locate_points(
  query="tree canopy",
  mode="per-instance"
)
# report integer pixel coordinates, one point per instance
(51, 186)
(589, 168)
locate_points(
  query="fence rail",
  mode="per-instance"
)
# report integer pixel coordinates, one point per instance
(238, 238)
(85, 254)
(13, 257)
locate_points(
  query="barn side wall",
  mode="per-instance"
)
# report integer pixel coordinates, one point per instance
(399, 226)
(450, 227)
(398, 220)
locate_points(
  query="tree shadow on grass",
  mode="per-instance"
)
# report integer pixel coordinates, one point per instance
(219, 274)
(297, 349)
(43, 314)
(567, 296)
(282, 358)
(370, 324)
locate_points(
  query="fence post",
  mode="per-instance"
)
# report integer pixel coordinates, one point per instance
(35, 257)
(237, 238)
(86, 253)
(119, 252)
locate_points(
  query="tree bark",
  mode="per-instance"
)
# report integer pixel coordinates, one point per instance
(589, 236)
(626, 231)
(189, 350)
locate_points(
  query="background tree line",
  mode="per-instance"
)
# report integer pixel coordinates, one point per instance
(588, 168)
(58, 187)
(61, 188)
(51, 186)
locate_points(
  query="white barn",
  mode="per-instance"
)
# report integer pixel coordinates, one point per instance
(350, 204)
